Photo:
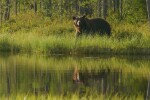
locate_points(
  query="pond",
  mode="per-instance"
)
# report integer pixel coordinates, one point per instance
(58, 75)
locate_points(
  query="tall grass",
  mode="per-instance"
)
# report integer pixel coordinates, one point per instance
(32, 43)
(72, 97)
(38, 34)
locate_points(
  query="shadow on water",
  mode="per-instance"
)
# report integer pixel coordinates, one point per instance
(22, 75)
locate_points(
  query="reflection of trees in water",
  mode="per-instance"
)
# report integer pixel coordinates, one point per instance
(148, 90)
(8, 81)
(108, 81)
(104, 81)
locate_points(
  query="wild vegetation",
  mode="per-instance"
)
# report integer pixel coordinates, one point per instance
(36, 33)
(35, 27)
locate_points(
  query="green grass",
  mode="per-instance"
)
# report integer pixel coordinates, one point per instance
(31, 33)
(72, 97)
(32, 43)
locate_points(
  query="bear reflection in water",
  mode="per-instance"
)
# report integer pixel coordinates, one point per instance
(92, 79)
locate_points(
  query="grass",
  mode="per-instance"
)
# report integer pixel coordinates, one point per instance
(32, 43)
(31, 33)
(72, 97)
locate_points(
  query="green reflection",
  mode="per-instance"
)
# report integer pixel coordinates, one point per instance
(41, 75)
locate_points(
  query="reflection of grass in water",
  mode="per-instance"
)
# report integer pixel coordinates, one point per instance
(61, 64)
(66, 63)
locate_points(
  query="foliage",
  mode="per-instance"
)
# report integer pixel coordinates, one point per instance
(35, 33)
(60, 9)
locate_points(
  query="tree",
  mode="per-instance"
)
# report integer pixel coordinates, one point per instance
(47, 6)
(104, 8)
(35, 6)
(121, 7)
(99, 8)
(16, 2)
(1, 13)
(116, 6)
(18, 6)
(41, 4)
(7, 10)
(148, 9)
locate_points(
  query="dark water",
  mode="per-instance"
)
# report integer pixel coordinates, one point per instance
(59, 75)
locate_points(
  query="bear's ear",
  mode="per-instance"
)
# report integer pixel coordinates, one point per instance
(74, 18)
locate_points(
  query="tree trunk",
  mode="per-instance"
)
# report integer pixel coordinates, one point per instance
(99, 8)
(61, 8)
(110, 3)
(7, 10)
(148, 9)
(121, 7)
(1, 18)
(35, 6)
(16, 2)
(104, 9)
(116, 6)
(77, 7)
(1, 13)
(19, 6)
(41, 2)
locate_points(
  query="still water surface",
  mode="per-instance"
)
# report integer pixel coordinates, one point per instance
(63, 75)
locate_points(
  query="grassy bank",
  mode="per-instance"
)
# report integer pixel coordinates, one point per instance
(37, 34)
(32, 43)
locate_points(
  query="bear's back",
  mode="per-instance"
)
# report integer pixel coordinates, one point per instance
(99, 24)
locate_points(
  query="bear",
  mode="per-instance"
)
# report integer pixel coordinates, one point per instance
(91, 26)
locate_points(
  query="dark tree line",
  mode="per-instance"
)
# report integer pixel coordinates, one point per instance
(67, 8)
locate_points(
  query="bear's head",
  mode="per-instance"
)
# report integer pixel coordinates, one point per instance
(80, 24)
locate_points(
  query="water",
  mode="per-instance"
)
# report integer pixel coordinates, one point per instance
(63, 75)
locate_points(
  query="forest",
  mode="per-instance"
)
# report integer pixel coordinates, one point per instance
(132, 11)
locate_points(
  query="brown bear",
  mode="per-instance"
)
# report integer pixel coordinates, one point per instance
(91, 26)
